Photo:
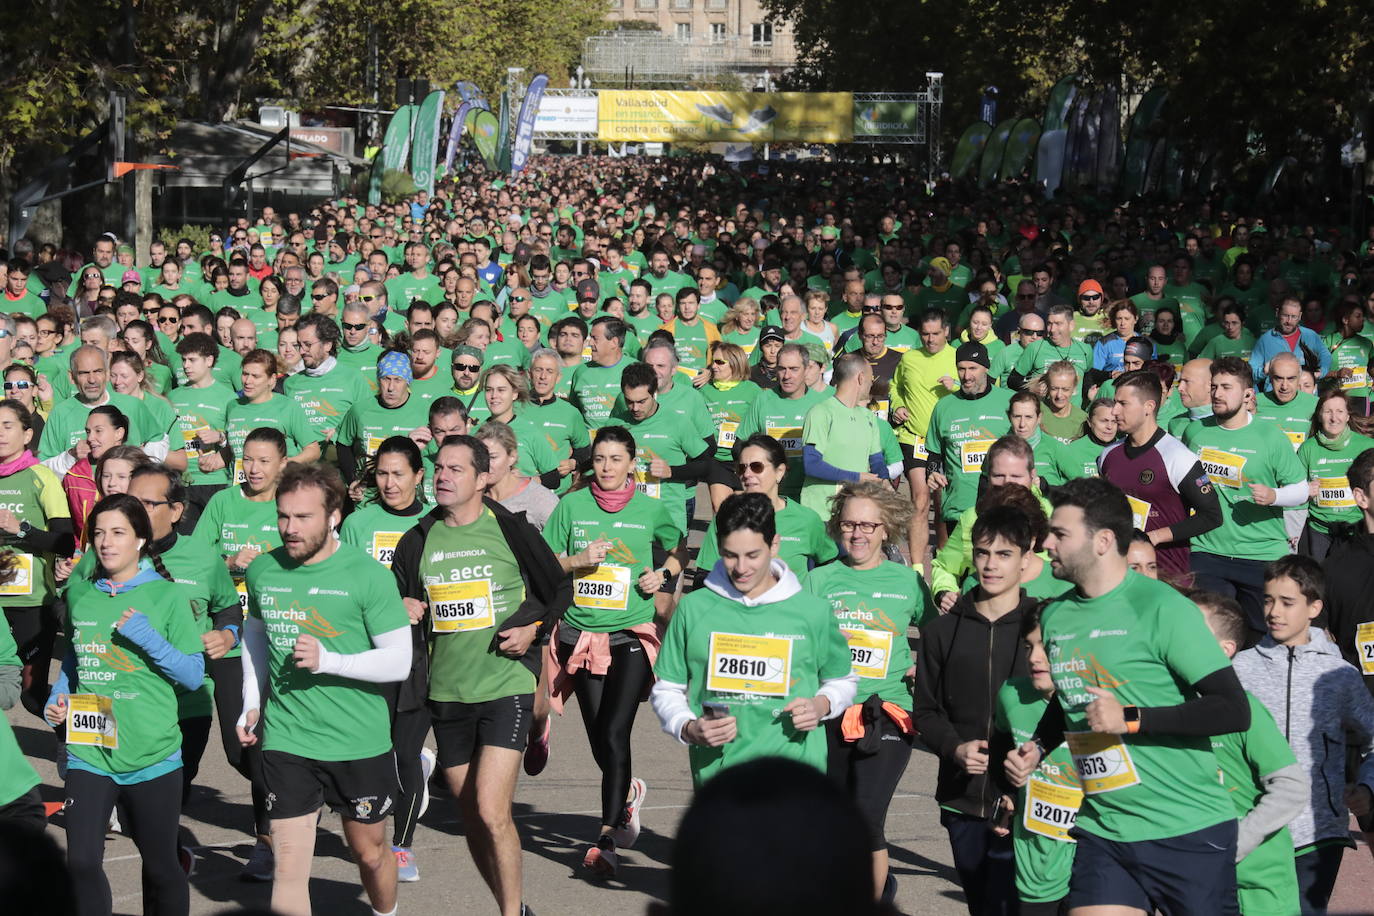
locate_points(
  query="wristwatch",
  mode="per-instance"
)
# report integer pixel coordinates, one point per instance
(1132, 716)
(24, 529)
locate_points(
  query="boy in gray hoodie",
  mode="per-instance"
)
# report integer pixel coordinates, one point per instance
(1316, 699)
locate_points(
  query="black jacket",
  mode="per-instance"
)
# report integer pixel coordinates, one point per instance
(548, 591)
(962, 662)
(1349, 598)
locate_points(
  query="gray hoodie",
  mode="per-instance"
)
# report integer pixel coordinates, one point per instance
(1316, 698)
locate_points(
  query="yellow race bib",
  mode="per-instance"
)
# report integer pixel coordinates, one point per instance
(187, 435)
(604, 588)
(1223, 468)
(972, 454)
(384, 546)
(22, 583)
(91, 721)
(726, 437)
(869, 651)
(648, 484)
(1140, 513)
(1296, 438)
(1102, 761)
(1051, 810)
(1364, 645)
(241, 587)
(374, 443)
(789, 437)
(757, 665)
(1334, 493)
(1359, 378)
(457, 607)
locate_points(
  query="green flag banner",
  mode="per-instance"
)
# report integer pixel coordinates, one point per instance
(1060, 100)
(992, 153)
(1140, 142)
(396, 143)
(484, 128)
(969, 148)
(1020, 147)
(425, 150)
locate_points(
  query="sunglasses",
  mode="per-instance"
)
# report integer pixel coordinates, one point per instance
(1091, 297)
(318, 296)
(367, 298)
(871, 309)
(18, 386)
(719, 362)
(165, 320)
(753, 467)
(519, 298)
(350, 326)
(468, 367)
(1033, 332)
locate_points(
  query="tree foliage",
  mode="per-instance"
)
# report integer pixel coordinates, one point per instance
(1244, 73)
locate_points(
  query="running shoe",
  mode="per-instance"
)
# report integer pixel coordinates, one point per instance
(627, 834)
(115, 826)
(537, 751)
(187, 859)
(601, 860)
(718, 113)
(407, 869)
(758, 119)
(262, 862)
(427, 763)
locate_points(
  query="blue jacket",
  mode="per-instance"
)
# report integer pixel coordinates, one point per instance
(1271, 343)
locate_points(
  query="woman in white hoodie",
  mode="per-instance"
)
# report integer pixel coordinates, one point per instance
(751, 665)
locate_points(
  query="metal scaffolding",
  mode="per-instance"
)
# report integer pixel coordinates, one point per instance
(624, 57)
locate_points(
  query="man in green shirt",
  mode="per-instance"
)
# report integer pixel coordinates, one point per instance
(662, 278)
(66, 426)
(18, 297)
(670, 453)
(199, 440)
(840, 439)
(417, 282)
(1255, 471)
(357, 350)
(1140, 688)
(485, 585)
(594, 386)
(325, 630)
(781, 413)
(326, 389)
(1149, 301)
(1057, 346)
(371, 421)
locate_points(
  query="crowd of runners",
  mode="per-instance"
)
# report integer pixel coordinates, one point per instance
(1076, 500)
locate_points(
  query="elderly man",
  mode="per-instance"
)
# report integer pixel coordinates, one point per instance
(64, 435)
(357, 348)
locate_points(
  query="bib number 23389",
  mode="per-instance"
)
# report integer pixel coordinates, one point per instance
(758, 665)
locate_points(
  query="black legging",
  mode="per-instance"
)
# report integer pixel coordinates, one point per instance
(195, 734)
(228, 676)
(150, 819)
(408, 731)
(609, 704)
(869, 779)
(34, 629)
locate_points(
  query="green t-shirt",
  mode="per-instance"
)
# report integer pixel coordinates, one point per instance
(111, 670)
(1039, 355)
(403, 288)
(1353, 353)
(1079, 458)
(28, 304)
(1047, 459)
(783, 419)
(845, 437)
(344, 601)
(691, 343)
(802, 541)
(375, 530)
(960, 432)
(1221, 345)
(369, 423)
(279, 412)
(1147, 644)
(875, 607)
(364, 361)
(1293, 419)
(593, 389)
(1266, 882)
(670, 282)
(66, 425)
(17, 775)
(326, 399)
(231, 521)
(1233, 459)
(607, 597)
(1065, 429)
(1334, 501)
(728, 407)
(473, 584)
(664, 435)
(715, 646)
(1190, 305)
(35, 496)
(199, 410)
(509, 352)
(1044, 855)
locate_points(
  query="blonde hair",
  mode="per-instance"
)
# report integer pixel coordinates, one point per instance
(894, 508)
(734, 356)
(730, 323)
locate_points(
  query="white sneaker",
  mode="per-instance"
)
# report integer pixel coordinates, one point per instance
(627, 833)
(427, 764)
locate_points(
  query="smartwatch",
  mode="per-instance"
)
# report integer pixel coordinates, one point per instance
(1132, 716)
(25, 529)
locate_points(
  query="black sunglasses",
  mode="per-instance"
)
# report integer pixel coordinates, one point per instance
(350, 326)
(468, 367)
(1034, 332)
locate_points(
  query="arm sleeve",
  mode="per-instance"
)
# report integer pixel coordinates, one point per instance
(60, 463)
(878, 465)
(1050, 729)
(348, 462)
(388, 661)
(254, 665)
(1220, 707)
(65, 676)
(670, 705)
(1291, 495)
(58, 538)
(185, 669)
(1016, 381)
(550, 479)
(1285, 794)
(157, 449)
(840, 691)
(229, 617)
(695, 468)
(1202, 500)
(816, 466)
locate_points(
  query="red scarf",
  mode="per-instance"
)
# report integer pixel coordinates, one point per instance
(613, 500)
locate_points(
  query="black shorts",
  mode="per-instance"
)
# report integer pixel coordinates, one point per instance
(911, 459)
(723, 473)
(1192, 873)
(362, 790)
(461, 728)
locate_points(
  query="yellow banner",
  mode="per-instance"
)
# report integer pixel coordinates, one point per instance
(737, 117)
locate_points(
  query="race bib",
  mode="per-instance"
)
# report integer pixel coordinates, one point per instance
(918, 448)
(604, 588)
(241, 587)
(1359, 378)
(91, 721)
(1364, 645)
(789, 437)
(1334, 493)
(880, 407)
(239, 476)
(1297, 438)
(1050, 810)
(1223, 468)
(757, 665)
(1140, 512)
(187, 435)
(869, 651)
(384, 546)
(22, 583)
(648, 484)
(726, 437)
(374, 443)
(972, 453)
(1102, 761)
(457, 607)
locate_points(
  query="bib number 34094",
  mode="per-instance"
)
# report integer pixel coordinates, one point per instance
(91, 721)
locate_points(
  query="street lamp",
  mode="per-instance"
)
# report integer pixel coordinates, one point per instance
(580, 81)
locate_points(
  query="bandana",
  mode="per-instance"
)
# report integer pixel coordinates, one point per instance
(395, 364)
